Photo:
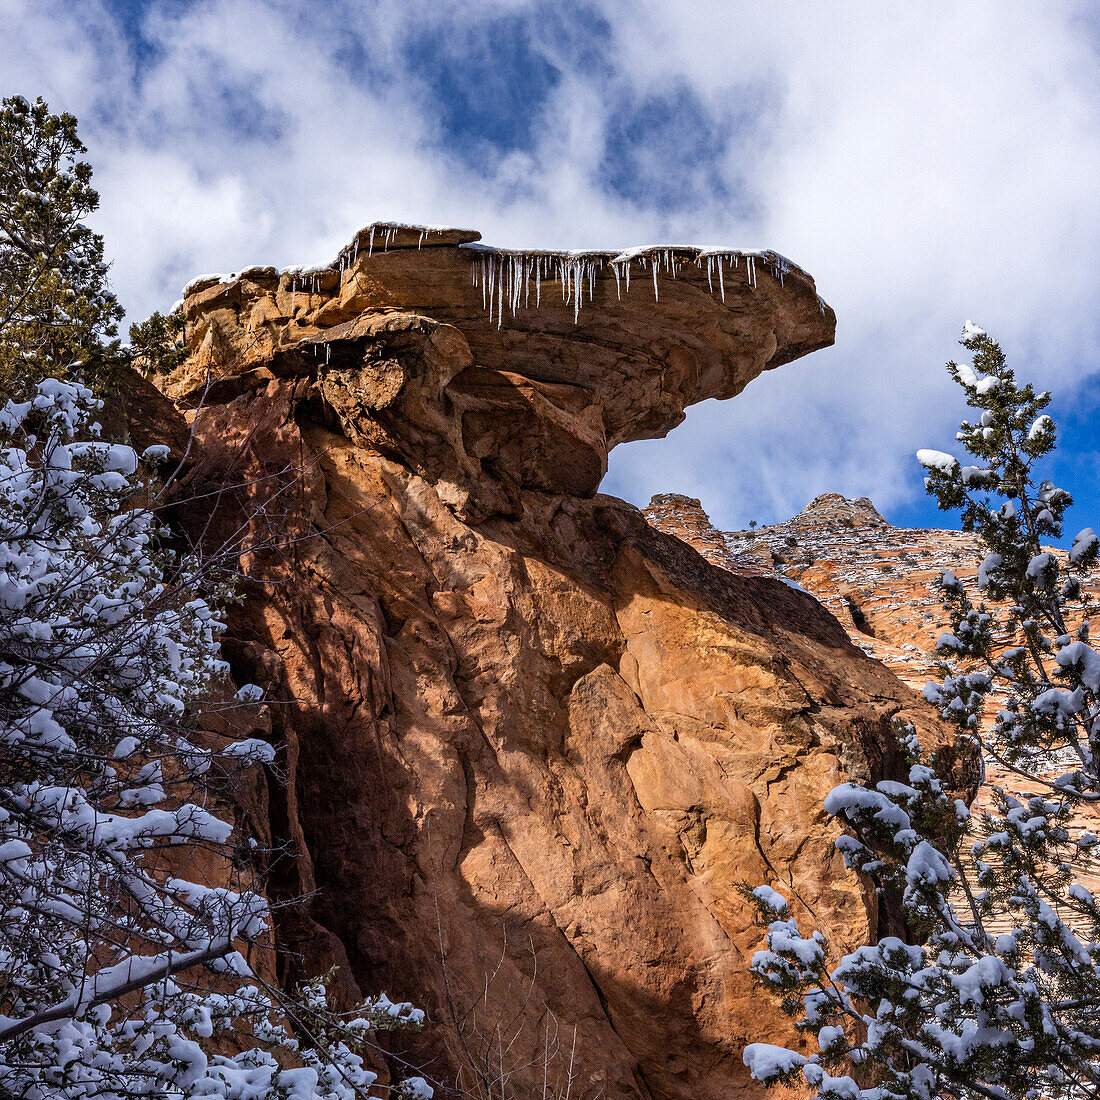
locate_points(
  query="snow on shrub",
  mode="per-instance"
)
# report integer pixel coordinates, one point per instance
(963, 1011)
(107, 640)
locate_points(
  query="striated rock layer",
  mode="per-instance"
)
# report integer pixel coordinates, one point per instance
(530, 744)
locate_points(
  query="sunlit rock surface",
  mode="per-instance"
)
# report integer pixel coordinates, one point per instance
(531, 744)
(882, 584)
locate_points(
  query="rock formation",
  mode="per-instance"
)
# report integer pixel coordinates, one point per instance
(529, 744)
(881, 582)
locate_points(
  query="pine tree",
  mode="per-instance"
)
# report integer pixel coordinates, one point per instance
(961, 1011)
(56, 310)
(156, 344)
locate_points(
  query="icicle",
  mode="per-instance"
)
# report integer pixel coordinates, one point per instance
(328, 353)
(505, 277)
(421, 241)
(370, 251)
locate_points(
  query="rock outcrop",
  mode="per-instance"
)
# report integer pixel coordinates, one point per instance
(880, 581)
(882, 584)
(529, 744)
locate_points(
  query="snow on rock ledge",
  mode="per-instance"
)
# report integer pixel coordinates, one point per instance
(594, 348)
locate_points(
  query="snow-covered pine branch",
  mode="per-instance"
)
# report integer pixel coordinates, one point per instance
(108, 640)
(961, 1011)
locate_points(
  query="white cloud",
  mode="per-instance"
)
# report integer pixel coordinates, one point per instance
(926, 163)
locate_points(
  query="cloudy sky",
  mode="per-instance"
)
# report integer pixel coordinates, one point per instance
(925, 162)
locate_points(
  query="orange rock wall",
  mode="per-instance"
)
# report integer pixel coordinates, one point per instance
(530, 745)
(882, 584)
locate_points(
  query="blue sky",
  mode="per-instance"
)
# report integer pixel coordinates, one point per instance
(927, 163)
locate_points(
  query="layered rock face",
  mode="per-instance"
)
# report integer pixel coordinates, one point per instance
(880, 581)
(882, 584)
(530, 745)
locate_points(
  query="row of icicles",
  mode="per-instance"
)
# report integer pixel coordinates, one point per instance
(508, 280)
(348, 256)
(351, 252)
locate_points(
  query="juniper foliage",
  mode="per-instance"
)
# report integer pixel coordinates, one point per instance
(124, 970)
(156, 343)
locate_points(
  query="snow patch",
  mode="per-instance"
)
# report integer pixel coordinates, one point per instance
(937, 460)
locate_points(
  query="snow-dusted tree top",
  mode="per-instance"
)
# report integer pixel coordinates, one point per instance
(996, 996)
(511, 278)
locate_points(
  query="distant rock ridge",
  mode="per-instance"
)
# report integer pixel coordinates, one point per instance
(685, 518)
(880, 581)
(832, 507)
(530, 743)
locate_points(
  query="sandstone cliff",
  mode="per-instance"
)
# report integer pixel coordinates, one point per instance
(529, 743)
(881, 582)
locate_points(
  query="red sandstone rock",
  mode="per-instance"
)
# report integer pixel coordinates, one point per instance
(880, 581)
(532, 745)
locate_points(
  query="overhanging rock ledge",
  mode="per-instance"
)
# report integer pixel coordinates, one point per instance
(531, 744)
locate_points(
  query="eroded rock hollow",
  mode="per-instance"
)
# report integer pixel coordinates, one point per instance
(530, 744)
